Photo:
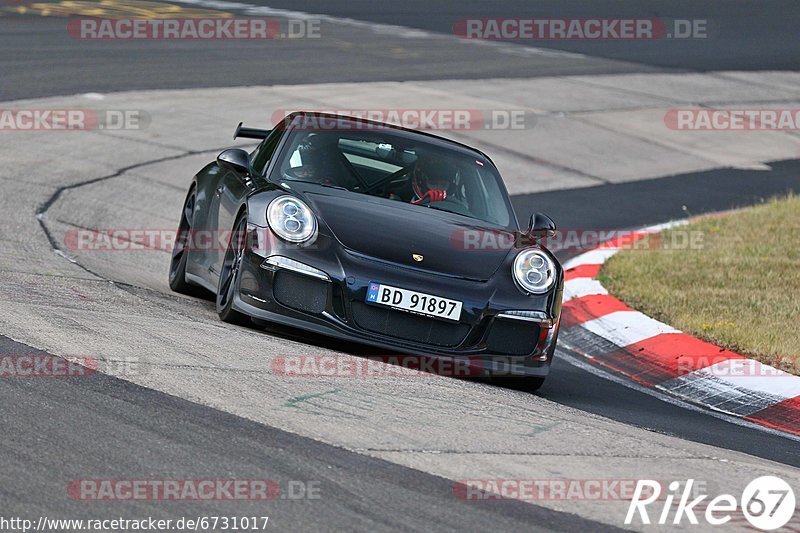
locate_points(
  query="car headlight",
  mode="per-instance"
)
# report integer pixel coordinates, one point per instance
(291, 219)
(534, 271)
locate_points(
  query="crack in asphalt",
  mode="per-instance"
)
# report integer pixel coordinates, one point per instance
(47, 204)
(133, 290)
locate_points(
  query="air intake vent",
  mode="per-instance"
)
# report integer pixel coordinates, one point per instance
(513, 337)
(408, 326)
(299, 292)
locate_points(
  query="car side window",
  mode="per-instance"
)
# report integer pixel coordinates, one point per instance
(263, 154)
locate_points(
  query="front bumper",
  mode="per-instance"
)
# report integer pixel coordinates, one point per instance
(323, 289)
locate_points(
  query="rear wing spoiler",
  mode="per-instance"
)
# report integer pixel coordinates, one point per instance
(250, 133)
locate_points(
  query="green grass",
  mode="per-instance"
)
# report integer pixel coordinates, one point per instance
(738, 286)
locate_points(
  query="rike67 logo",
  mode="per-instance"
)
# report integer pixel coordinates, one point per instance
(767, 503)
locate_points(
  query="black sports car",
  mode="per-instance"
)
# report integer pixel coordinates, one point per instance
(377, 234)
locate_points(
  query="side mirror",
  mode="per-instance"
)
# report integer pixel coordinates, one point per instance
(235, 159)
(541, 226)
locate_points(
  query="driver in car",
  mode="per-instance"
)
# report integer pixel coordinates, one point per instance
(432, 180)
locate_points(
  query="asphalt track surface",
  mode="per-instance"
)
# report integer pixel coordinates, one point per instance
(742, 35)
(40, 59)
(57, 430)
(102, 427)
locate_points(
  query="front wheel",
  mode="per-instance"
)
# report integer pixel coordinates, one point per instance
(229, 275)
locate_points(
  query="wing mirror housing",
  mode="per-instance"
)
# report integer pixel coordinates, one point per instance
(235, 159)
(541, 226)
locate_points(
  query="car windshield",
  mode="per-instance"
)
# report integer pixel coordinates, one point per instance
(401, 168)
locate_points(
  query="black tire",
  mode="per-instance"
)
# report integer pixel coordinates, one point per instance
(229, 275)
(180, 254)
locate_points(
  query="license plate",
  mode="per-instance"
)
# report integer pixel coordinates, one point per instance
(414, 302)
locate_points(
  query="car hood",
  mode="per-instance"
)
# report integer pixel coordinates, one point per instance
(393, 231)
